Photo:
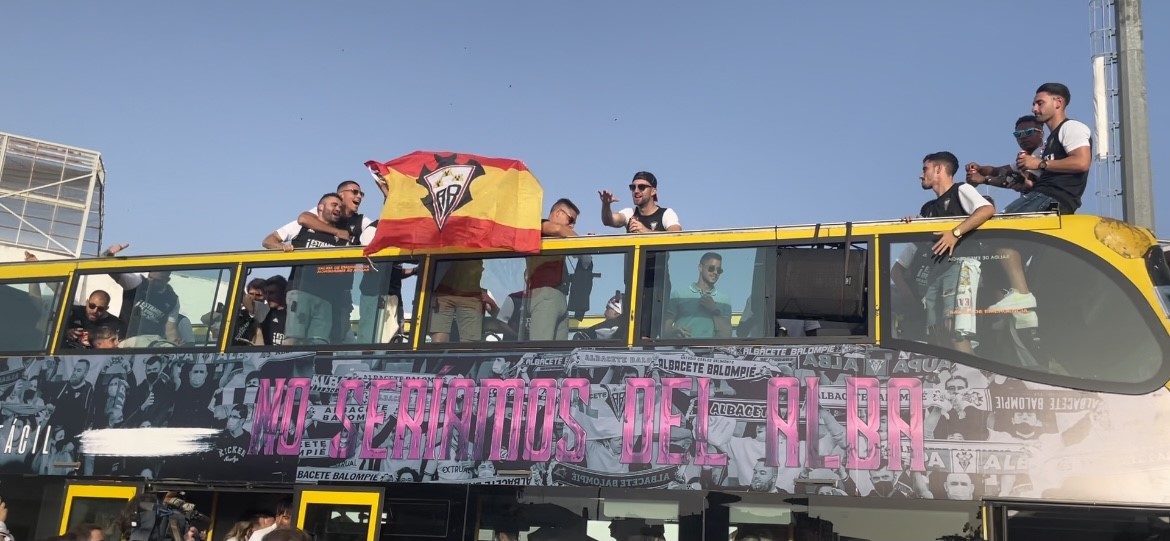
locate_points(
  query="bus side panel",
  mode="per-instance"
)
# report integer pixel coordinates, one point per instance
(851, 420)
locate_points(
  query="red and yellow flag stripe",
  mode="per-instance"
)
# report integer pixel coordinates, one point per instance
(450, 199)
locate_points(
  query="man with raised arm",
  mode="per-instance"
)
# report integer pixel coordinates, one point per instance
(150, 306)
(952, 289)
(316, 301)
(645, 216)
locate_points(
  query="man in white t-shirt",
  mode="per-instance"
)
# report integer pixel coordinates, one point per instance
(645, 216)
(1064, 165)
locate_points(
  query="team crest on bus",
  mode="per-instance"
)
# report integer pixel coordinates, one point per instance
(448, 186)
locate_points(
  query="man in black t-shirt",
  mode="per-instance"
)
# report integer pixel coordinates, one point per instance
(272, 328)
(84, 318)
(646, 216)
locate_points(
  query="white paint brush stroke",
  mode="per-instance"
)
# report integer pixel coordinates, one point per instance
(147, 441)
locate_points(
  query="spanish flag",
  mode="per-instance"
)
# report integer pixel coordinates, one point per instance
(447, 199)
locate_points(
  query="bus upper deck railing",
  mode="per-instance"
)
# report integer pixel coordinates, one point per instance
(1091, 280)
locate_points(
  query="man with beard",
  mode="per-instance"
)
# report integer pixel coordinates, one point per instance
(888, 484)
(84, 318)
(763, 478)
(150, 306)
(352, 224)
(151, 402)
(646, 216)
(318, 296)
(193, 397)
(74, 404)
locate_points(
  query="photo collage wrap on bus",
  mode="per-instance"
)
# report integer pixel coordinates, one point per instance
(668, 418)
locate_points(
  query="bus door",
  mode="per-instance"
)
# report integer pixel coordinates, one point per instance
(339, 513)
(97, 503)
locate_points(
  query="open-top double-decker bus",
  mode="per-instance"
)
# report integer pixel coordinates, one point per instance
(785, 383)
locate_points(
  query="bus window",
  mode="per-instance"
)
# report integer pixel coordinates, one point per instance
(699, 294)
(349, 302)
(29, 314)
(151, 308)
(559, 296)
(820, 291)
(1023, 304)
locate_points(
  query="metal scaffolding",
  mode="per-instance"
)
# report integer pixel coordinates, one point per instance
(52, 197)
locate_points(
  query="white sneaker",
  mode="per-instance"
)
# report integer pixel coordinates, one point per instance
(1026, 320)
(1014, 301)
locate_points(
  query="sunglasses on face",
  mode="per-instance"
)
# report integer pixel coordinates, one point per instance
(93, 306)
(572, 219)
(714, 269)
(639, 187)
(1025, 132)
(356, 191)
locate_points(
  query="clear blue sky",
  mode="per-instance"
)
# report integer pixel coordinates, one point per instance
(220, 121)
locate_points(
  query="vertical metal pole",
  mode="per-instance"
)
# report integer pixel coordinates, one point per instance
(1136, 175)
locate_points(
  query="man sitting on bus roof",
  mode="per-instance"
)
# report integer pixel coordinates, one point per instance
(646, 216)
(951, 291)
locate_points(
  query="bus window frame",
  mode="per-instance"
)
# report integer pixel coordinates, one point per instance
(74, 281)
(870, 241)
(424, 322)
(1148, 314)
(76, 488)
(240, 285)
(374, 497)
(55, 322)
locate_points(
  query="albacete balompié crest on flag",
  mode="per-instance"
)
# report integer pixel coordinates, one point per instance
(452, 199)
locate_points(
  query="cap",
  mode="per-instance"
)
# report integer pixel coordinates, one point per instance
(647, 176)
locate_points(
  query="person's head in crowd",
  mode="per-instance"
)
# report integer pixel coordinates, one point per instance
(959, 486)
(710, 269)
(255, 290)
(275, 290)
(351, 197)
(97, 305)
(763, 477)
(104, 337)
(90, 532)
(938, 171)
(644, 188)
(1029, 133)
(79, 373)
(329, 208)
(287, 534)
(1050, 102)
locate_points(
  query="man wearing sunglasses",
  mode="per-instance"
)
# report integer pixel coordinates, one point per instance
(546, 277)
(699, 311)
(352, 224)
(1029, 135)
(85, 318)
(645, 216)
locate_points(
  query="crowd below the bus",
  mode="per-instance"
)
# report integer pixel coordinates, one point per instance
(314, 305)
